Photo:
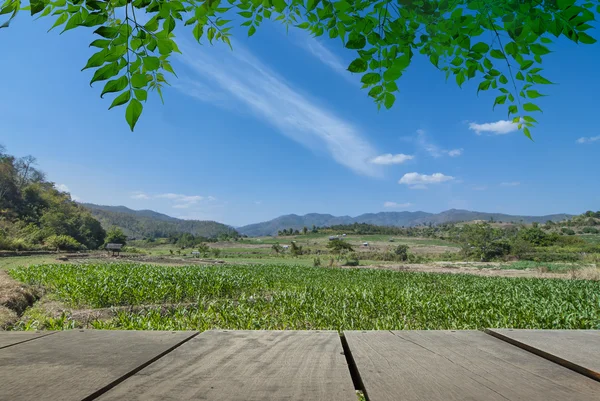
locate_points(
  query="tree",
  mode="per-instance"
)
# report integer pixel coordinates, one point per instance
(501, 44)
(115, 236)
(304, 230)
(401, 252)
(339, 246)
(203, 249)
(295, 250)
(277, 248)
(482, 241)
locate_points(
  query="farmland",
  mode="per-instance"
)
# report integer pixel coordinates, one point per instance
(135, 296)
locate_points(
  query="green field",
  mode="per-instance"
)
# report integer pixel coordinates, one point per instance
(284, 297)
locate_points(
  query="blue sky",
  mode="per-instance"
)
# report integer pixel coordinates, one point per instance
(278, 126)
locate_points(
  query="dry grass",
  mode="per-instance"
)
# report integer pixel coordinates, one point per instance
(15, 297)
(586, 273)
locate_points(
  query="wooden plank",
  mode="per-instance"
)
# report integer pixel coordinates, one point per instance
(9, 338)
(575, 349)
(462, 365)
(76, 364)
(246, 366)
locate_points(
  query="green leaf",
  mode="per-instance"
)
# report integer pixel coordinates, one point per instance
(376, 91)
(392, 74)
(531, 107)
(356, 42)
(73, 22)
(133, 112)
(138, 80)
(526, 64)
(480, 47)
(115, 85)
(36, 6)
(59, 21)
(151, 63)
(312, 4)
(96, 60)
(279, 5)
(389, 100)
(108, 32)
(586, 39)
(512, 109)
(251, 30)
(100, 43)
(370, 78)
(538, 49)
(533, 94)
(538, 79)
(358, 66)
(527, 133)
(564, 4)
(499, 100)
(503, 80)
(198, 31)
(121, 99)
(483, 86)
(140, 94)
(460, 78)
(497, 54)
(529, 119)
(106, 72)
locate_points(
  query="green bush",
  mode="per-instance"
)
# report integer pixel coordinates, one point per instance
(63, 243)
(317, 262)
(590, 230)
(401, 252)
(567, 231)
(115, 236)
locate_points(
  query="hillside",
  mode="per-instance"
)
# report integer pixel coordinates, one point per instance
(396, 219)
(151, 224)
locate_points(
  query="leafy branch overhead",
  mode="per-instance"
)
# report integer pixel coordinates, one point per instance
(499, 43)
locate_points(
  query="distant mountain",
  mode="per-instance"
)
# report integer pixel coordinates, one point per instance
(151, 224)
(396, 219)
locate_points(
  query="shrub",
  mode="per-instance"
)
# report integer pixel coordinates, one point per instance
(590, 230)
(115, 236)
(567, 231)
(317, 262)
(351, 260)
(295, 250)
(401, 252)
(63, 243)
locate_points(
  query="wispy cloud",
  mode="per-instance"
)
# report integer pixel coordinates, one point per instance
(455, 152)
(323, 54)
(479, 188)
(180, 201)
(421, 181)
(389, 159)
(394, 205)
(245, 79)
(501, 127)
(510, 184)
(588, 139)
(62, 188)
(434, 150)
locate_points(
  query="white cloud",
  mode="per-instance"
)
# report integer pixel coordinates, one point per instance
(394, 205)
(139, 195)
(510, 184)
(75, 198)
(322, 53)
(479, 188)
(389, 158)
(501, 127)
(62, 188)
(420, 181)
(588, 139)
(245, 79)
(434, 150)
(455, 152)
(258, 202)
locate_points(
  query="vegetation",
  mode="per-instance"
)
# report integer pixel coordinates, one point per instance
(152, 225)
(500, 44)
(280, 297)
(116, 236)
(34, 213)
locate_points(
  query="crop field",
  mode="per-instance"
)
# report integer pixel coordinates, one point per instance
(148, 297)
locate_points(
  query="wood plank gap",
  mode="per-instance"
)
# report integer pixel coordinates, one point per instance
(29, 339)
(354, 373)
(552, 358)
(127, 375)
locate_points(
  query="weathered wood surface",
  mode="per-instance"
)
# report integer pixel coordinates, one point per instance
(462, 365)
(246, 366)
(576, 349)
(73, 365)
(10, 338)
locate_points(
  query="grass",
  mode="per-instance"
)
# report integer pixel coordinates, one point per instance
(299, 297)
(10, 262)
(550, 267)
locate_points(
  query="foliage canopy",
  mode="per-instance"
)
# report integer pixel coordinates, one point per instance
(499, 43)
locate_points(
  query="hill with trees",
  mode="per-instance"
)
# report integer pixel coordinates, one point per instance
(34, 214)
(150, 224)
(391, 219)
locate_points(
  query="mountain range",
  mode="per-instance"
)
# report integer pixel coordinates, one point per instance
(151, 224)
(397, 219)
(148, 223)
